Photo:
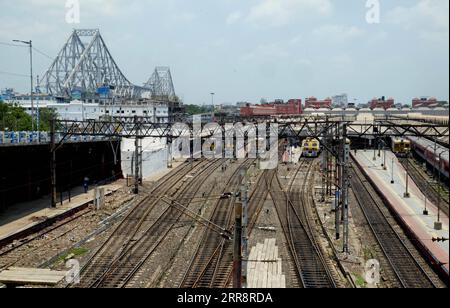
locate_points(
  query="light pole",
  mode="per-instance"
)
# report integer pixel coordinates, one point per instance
(438, 224)
(384, 159)
(213, 114)
(426, 149)
(425, 211)
(379, 147)
(392, 171)
(30, 44)
(407, 194)
(374, 150)
(434, 159)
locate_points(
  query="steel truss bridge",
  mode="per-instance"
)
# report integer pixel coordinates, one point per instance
(85, 64)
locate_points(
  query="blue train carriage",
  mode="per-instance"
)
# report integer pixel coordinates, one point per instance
(311, 148)
(401, 147)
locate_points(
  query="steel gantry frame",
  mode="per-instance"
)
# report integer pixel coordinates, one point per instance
(332, 133)
(144, 127)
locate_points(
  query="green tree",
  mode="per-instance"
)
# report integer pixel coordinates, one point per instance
(14, 118)
(3, 112)
(195, 109)
(45, 119)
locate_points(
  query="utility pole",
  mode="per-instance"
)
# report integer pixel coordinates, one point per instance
(245, 254)
(438, 223)
(339, 194)
(136, 156)
(53, 163)
(327, 163)
(237, 255)
(324, 168)
(434, 159)
(346, 175)
(141, 161)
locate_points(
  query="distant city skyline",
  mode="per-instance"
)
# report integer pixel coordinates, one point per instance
(248, 50)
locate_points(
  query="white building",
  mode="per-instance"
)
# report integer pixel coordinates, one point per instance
(158, 111)
(81, 111)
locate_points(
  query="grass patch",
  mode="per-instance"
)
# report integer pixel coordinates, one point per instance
(359, 280)
(75, 252)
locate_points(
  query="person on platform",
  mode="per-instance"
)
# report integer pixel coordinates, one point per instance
(86, 184)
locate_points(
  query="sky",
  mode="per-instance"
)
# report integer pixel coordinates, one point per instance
(248, 50)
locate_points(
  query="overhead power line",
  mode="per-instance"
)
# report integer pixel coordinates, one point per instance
(14, 74)
(42, 53)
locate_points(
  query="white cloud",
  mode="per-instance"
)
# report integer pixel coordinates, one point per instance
(282, 12)
(107, 8)
(429, 18)
(296, 40)
(338, 32)
(234, 17)
(184, 17)
(267, 52)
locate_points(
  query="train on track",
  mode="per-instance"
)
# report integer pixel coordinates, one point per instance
(401, 146)
(311, 148)
(425, 149)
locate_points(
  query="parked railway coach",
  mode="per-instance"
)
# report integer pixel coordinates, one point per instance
(426, 150)
(401, 147)
(311, 147)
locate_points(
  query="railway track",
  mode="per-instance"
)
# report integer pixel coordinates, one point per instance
(212, 263)
(258, 197)
(427, 185)
(14, 255)
(142, 247)
(104, 261)
(311, 267)
(408, 271)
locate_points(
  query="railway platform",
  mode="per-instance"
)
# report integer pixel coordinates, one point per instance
(29, 217)
(410, 210)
